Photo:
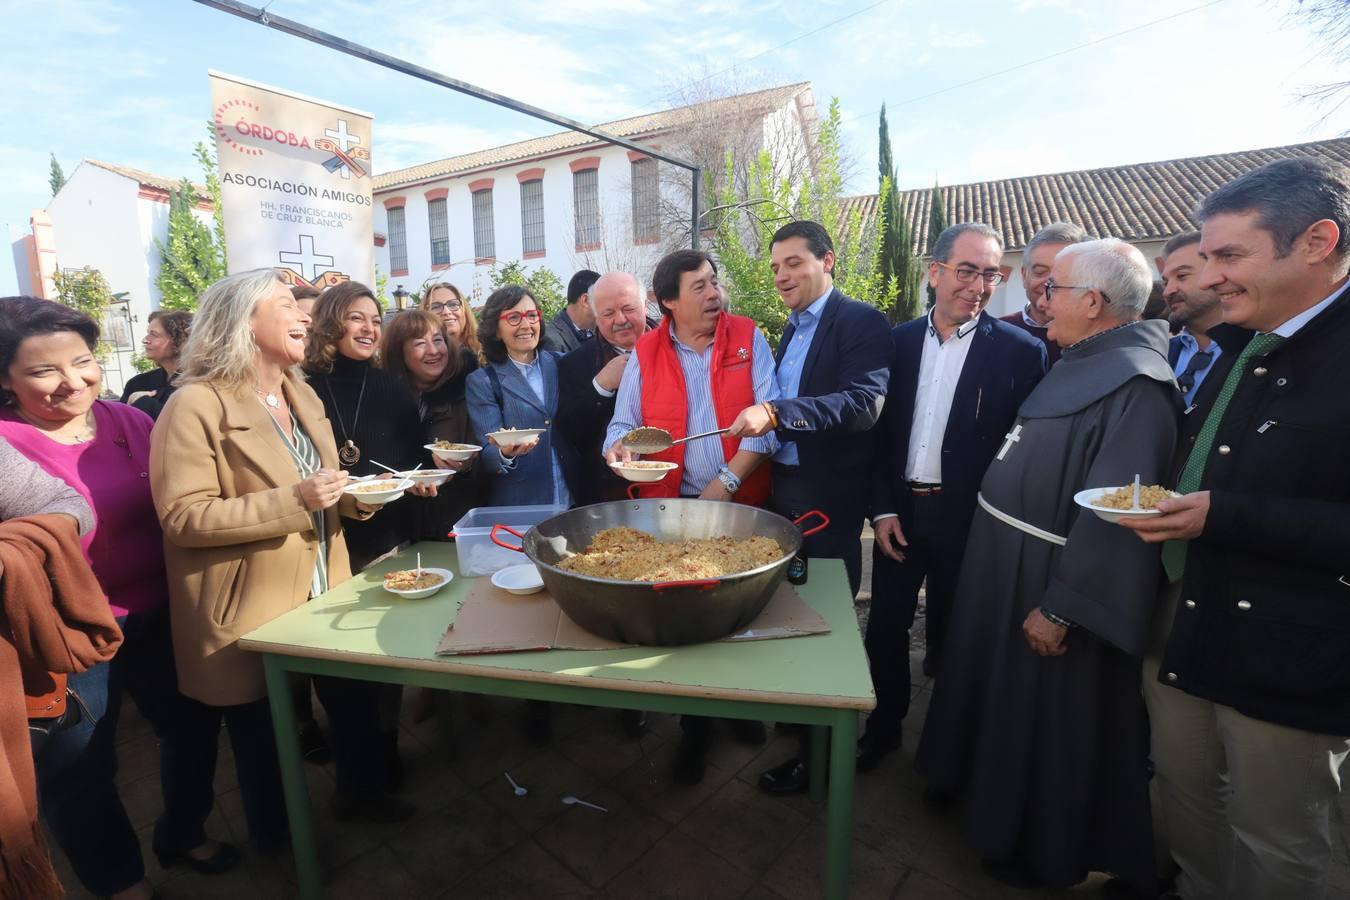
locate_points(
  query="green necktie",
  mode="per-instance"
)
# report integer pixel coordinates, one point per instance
(1174, 552)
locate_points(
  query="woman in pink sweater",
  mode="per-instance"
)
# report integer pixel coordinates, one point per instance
(49, 412)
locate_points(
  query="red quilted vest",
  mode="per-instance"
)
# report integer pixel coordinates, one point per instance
(665, 404)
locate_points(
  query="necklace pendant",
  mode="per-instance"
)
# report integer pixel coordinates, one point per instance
(272, 401)
(349, 454)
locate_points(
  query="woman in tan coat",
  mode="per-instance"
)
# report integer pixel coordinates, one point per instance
(245, 477)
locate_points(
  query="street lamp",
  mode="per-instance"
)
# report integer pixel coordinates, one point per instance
(400, 296)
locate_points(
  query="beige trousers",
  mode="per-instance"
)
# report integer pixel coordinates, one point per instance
(1246, 806)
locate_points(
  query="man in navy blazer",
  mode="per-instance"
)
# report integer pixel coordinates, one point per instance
(832, 369)
(957, 379)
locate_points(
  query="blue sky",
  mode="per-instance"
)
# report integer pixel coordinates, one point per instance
(126, 81)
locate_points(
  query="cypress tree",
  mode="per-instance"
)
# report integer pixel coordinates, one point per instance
(57, 178)
(189, 260)
(900, 271)
(937, 218)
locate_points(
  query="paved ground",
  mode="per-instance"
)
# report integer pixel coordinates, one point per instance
(473, 838)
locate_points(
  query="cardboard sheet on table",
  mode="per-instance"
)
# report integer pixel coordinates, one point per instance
(494, 621)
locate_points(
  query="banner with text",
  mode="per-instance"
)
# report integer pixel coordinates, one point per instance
(294, 183)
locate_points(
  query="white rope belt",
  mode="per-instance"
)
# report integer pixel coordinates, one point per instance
(1024, 527)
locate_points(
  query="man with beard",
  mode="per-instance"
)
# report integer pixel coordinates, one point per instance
(1037, 720)
(588, 380)
(1191, 309)
(1037, 258)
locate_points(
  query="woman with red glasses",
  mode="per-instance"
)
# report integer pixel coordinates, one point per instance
(517, 388)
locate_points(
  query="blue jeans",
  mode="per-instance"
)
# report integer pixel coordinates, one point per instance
(77, 767)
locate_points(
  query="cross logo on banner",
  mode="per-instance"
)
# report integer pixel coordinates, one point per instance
(306, 258)
(1009, 439)
(342, 137)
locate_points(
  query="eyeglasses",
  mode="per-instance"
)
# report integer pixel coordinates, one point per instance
(514, 318)
(452, 305)
(1051, 287)
(967, 274)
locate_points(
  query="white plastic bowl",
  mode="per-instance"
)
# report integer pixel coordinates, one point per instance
(644, 474)
(1086, 498)
(427, 476)
(446, 577)
(517, 437)
(521, 579)
(378, 491)
(456, 455)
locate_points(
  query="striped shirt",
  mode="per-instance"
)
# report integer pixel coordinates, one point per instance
(704, 458)
(307, 462)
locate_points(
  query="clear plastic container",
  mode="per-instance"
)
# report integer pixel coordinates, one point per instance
(473, 541)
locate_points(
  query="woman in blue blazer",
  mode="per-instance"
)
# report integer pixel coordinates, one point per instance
(517, 388)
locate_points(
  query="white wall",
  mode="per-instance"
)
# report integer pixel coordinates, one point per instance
(100, 220)
(561, 254)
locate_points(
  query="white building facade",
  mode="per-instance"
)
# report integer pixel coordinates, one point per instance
(108, 218)
(565, 202)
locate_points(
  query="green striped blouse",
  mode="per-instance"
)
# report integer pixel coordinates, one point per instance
(307, 462)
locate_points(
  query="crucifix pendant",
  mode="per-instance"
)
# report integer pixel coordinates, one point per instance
(349, 454)
(1009, 439)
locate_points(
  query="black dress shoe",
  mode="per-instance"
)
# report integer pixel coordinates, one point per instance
(936, 800)
(872, 750)
(313, 747)
(791, 777)
(538, 723)
(748, 731)
(379, 808)
(1012, 873)
(690, 761)
(633, 722)
(226, 857)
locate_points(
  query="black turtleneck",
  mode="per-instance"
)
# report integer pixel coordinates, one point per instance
(386, 428)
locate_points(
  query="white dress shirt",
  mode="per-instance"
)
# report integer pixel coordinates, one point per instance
(939, 371)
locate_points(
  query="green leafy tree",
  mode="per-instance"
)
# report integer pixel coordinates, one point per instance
(140, 363)
(543, 284)
(381, 284)
(87, 291)
(57, 178)
(937, 218)
(192, 256)
(900, 271)
(743, 221)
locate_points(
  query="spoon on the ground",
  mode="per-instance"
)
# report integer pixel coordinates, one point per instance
(646, 439)
(520, 791)
(574, 801)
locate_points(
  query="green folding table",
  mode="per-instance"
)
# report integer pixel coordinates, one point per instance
(358, 630)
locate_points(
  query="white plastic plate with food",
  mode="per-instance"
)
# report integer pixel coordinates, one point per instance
(377, 491)
(643, 470)
(512, 437)
(1114, 504)
(522, 579)
(451, 450)
(427, 476)
(412, 584)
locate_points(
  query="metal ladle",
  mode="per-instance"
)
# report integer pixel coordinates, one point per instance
(647, 440)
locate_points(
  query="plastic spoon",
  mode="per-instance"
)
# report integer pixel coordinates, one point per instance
(520, 791)
(1136, 490)
(574, 801)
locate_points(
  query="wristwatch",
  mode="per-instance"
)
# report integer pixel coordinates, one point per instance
(728, 479)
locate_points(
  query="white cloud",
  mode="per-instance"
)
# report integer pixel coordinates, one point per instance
(953, 39)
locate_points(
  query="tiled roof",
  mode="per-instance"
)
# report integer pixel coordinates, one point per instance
(159, 182)
(651, 123)
(1140, 202)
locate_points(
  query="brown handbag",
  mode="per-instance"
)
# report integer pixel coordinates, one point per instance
(50, 705)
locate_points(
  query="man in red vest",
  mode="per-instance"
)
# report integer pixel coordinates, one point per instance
(695, 372)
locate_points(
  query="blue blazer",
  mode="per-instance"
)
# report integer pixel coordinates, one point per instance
(530, 481)
(1003, 365)
(841, 393)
